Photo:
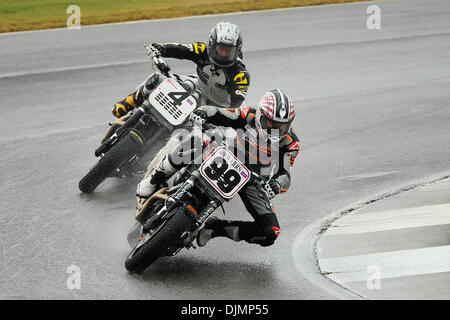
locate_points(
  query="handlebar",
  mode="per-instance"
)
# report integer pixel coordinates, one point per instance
(158, 61)
(162, 66)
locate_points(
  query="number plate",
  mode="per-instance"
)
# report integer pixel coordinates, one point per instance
(172, 101)
(225, 172)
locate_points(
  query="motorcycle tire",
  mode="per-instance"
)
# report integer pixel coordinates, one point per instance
(167, 235)
(113, 159)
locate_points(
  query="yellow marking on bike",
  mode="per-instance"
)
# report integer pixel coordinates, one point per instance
(137, 136)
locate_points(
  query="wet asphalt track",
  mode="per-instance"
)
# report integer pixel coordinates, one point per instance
(373, 113)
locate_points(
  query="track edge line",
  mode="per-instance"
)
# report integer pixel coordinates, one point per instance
(305, 246)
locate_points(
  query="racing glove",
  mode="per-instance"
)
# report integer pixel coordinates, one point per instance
(198, 117)
(272, 188)
(155, 50)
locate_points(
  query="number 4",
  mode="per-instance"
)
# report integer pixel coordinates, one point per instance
(178, 97)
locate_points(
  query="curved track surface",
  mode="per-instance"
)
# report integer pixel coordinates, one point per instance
(373, 113)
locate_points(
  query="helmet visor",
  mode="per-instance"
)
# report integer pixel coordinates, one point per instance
(224, 54)
(273, 128)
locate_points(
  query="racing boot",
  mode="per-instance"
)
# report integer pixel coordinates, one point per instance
(121, 108)
(148, 185)
(215, 227)
(136, 98)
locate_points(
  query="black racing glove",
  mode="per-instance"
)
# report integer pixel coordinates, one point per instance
(155, 50)
(159, 47)
(272, 188)
(198, 117)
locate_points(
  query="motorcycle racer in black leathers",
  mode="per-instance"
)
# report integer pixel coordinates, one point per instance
(223, 80)
(271, 121)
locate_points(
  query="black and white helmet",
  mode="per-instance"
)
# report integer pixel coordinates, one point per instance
(274, 115)
(224, 44)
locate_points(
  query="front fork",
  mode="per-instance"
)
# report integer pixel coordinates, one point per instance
(188, 237)
(190, 234)
(139, 115)
(201, 216)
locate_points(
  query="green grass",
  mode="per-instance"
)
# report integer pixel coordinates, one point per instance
(20, 15)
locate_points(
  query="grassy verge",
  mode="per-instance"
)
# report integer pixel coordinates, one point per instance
(20, 15)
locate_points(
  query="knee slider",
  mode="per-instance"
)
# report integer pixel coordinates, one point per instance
(271, 234)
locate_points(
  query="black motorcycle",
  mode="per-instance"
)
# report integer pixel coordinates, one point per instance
(145, 129)
(172, 217)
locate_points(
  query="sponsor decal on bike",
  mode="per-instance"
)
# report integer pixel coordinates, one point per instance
(205, 215)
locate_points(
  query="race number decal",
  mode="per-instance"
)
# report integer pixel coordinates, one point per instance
(178, 97)
(225, 172)
(172, 102)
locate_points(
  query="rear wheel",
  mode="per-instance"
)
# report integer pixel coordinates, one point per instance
(113, 159)
(166, 237)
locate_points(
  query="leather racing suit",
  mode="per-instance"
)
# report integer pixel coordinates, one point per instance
(265, 228)
(219, 86)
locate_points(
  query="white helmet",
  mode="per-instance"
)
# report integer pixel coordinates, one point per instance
(224, 44)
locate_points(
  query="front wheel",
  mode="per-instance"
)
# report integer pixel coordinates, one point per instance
(166, 237)
(133, 234)
(128, 146)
